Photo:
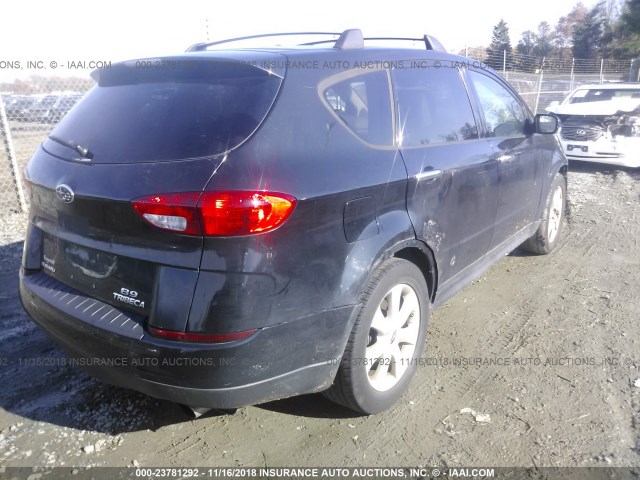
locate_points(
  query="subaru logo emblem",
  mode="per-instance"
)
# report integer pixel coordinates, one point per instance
(64, 193)
(581, 132)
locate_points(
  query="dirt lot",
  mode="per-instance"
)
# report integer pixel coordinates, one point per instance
(532, 365)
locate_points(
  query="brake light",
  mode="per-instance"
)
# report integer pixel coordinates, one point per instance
(226, 213)
(243, 213)
(200, 337)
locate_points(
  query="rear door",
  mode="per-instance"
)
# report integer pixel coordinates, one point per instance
(142, 132)
(452, 192)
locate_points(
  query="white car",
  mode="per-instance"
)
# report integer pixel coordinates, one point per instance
(601, 123)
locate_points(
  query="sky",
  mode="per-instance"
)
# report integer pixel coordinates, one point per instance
(72, 30)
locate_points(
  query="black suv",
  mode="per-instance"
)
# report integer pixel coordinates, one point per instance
(228, 227)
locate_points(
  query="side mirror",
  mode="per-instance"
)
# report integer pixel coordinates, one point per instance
(546, 123)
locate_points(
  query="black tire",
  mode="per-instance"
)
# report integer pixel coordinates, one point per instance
(352, 386)
(545, 240)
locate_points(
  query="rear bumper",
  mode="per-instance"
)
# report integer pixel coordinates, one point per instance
(277, 362)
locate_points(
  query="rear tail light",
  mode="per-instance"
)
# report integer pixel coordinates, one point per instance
(171, 211)
(225, 213)
(243, 213)
(200, 337)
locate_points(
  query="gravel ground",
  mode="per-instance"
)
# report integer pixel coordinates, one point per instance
(535, 364)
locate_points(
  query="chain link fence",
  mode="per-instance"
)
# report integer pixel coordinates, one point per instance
(29, 109)
(541, 80)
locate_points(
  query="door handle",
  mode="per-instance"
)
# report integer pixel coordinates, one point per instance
(428, 175)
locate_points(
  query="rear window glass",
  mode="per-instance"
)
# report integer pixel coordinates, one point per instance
(363, 103)
(140, 115)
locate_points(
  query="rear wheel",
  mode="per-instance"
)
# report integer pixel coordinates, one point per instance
(545, 239)
(387, 340)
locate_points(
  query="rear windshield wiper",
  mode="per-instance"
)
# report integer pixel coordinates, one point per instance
(84, 151)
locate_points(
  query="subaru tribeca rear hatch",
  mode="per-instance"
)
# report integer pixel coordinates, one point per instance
(118, 214)
(153, 134)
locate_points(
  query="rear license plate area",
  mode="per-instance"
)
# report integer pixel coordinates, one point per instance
(99, 274)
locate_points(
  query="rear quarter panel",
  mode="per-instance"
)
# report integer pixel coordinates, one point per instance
(303, 150)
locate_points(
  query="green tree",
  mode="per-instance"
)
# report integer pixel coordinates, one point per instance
(500, 42)
(631, 16)
(527, 43)
(629, 29)
(564, 29)
(588, 35)
(525, 60)
(543, 41)
(609, 30)
(610, 13)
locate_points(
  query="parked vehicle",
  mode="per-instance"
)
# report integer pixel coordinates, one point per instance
(39, 112)
(601, 123)
(18, 108)
(224, 228)
(59, 109)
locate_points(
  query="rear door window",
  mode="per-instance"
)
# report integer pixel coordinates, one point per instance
(363, 104)
(144, 115)
(433, 107)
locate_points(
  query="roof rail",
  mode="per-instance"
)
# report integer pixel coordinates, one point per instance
(430, 42)
(349, 39)
(198, 47)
